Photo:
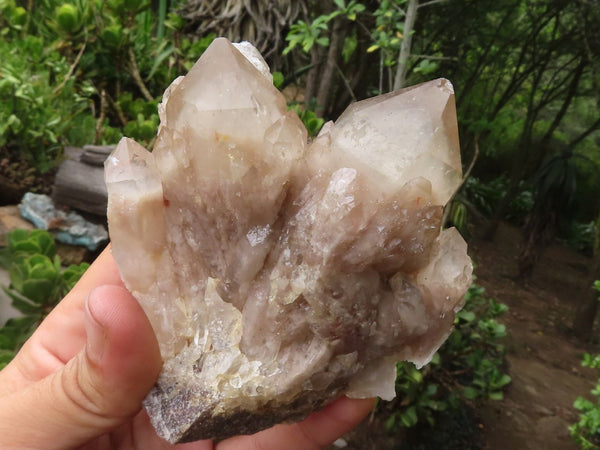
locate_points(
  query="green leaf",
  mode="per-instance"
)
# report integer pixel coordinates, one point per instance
(431, 390)
(25, 246)
(323, 41)
(389, 424)
(408, 417)
(426, 67)
(162, 55)
(6, 356)
(43, 268)
(350, 44)
(503, 381)
(22, 303)
(38, 291)
(470, 393)
(17, 275)
(467, 316)
(313, 125)
(583, 404)
(6, 343)
(414, 375)
(496, 395)
(73, 273)
(278, 79)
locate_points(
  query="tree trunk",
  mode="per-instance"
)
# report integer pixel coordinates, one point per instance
(312, 79)
(539, 231)
(409, 23)
(338, 33)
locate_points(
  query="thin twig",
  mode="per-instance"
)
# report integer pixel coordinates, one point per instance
(135, 73)
(150, 145)
(464, 179)
(71, 70)
(346, 83)
(373, 410)
(449, 58)
(29, 15)
(472, 164)
(101, 117)
(432, 2)
(115, 105)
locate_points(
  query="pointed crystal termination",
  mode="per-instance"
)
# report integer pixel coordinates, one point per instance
(277, 275)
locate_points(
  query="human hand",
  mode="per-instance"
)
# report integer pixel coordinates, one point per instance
(80, 379)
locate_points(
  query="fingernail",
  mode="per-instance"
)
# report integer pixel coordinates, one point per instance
(96, 333)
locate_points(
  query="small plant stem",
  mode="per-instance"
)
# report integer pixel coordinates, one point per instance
(464, 179)
(71, 70)
(346, 83)
(28, 20)
(115, 105)
(162, 12)
(101, 117)
(135, 73)
(432, 2)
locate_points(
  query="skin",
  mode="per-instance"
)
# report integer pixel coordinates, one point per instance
(79, 381)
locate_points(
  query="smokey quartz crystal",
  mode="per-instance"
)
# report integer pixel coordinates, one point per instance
(277, 274)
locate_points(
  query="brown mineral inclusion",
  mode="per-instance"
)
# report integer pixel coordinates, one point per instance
(279, 274)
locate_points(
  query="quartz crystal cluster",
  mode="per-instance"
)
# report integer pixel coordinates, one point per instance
(279, 274)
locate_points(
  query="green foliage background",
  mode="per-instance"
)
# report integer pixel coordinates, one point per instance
(37, 283)
(526, 76)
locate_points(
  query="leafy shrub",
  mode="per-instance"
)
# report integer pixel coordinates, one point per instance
(467, 368)
(580, 236)
(486, 196)
(311, 121)
(37, 284)
(586, 432)
(35, 115)
(69, 66)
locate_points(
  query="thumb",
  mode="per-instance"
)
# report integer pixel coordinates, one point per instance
(97, 390)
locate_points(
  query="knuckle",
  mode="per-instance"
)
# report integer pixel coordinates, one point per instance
(83, 391)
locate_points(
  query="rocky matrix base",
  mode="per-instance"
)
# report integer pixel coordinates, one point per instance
(279, 275)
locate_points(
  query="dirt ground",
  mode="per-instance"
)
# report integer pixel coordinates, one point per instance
(543, 356)
(542, 353)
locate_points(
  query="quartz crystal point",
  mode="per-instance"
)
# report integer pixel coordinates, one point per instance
(279, 275)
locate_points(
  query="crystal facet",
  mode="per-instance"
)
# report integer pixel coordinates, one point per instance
(278, 275)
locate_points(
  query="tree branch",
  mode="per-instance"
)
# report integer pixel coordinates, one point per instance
(69, 74)
(571, 91)
(135, 73)
(409, 23)
(466, 175)
(338, 33)
(101, 117)
(593, 127)
(346, 83)
(117, 109)
(432, 2)
(439, 58)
